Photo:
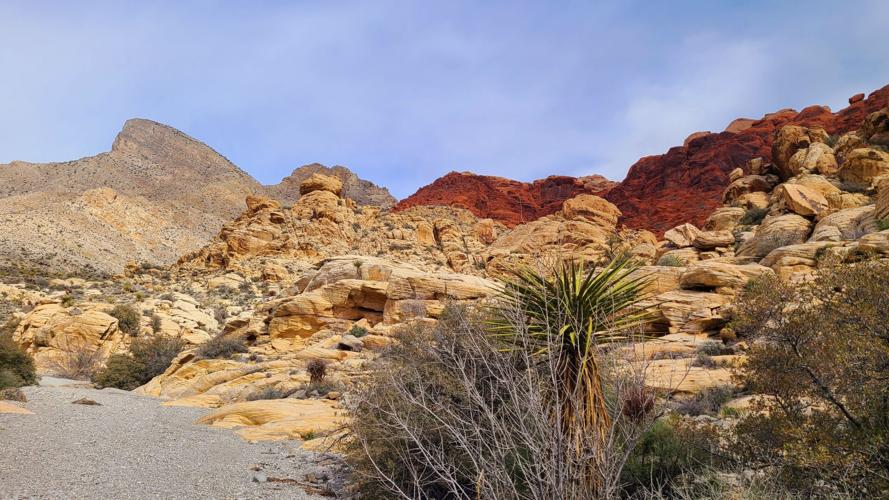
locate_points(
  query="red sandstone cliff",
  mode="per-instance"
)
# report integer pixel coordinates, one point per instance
(511, 202)
(683, 185)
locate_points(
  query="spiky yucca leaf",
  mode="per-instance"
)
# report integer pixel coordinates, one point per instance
(578, 304)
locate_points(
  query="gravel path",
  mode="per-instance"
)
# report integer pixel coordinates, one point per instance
(131, 447)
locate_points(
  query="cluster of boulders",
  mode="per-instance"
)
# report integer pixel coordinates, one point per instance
(823, 200)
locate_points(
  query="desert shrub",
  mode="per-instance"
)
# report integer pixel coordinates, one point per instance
(155, 323)
(449, 412)
(819, 354)
(357, 331)
(79, 363)
(128, 319)
(664, 452)
(270, 392)
(753, 216)
(703, 360)
(714, 348)
(883, 224)
(12, 394)
(773, 241)
(708, 401)
(317, 370)
(16, 365)
(222, 347)
(220, 314)
(670, 261)
(148, 358)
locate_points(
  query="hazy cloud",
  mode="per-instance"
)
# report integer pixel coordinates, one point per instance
(403, 91)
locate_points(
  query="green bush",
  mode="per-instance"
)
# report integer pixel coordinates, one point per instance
(128, 319)
(753, 216)
(148, 358)
(822, 365)
(671, 261)
(222, 347)
(16, 365)
(357, 331)
(667, 450)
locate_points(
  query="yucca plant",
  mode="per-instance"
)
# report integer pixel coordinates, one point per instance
(567, 313)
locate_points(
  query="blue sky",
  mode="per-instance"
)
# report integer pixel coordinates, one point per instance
(403, 92)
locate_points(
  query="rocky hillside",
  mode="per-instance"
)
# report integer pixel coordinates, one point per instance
(361, 191)
(505, 200)
(158, 194)
(685, 183)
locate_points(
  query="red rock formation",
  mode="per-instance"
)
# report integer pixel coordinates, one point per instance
(511, 202)
(685, 184)
(660, 192)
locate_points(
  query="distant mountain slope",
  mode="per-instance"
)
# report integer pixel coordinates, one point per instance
(362, 191)
(505, 200)
(157, 195)
(685, 184)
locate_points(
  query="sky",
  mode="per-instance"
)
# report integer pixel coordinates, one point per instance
(403, 92)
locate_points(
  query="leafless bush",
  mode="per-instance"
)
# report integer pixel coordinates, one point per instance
(80, 363)
(450, 413)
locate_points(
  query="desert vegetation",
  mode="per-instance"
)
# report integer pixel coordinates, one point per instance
(535, 398)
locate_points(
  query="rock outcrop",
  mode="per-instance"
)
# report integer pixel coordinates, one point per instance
(504, 200)
(685, 183)
(359, 190)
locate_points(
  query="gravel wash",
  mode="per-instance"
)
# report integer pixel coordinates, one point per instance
(131, 447)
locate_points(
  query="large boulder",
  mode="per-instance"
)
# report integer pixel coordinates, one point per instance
(817, 158)
(712, 274)
(724, 219)
(708, 240)
(864, 165)
(747, 185)
(789, 140)
(683, 235)
(792, 259)
(321, 182)
(51, 332)
(801, 200)
(875, 129)
(776, 232)
(845, 225)
(592, 208)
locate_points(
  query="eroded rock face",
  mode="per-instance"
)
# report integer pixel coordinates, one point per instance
(268, 238)
(776, 232)
(793, 138)
(504, 200)
(584, 229)
(864, 165)
(359, 190)
(685, 183)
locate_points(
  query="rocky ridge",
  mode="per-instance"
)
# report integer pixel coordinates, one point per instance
(157, 195)
(505, 200)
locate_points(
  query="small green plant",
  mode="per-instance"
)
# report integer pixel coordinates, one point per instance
(883, 224)
(222, 347)
(317, 370)
(68, 300)
(358, 331)
(16, 365)
(753, 216)
(148, 358)
(156, 325)
(671, 261)
(128, 319)
(270, 393)
(308, 436)
(714, 348)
